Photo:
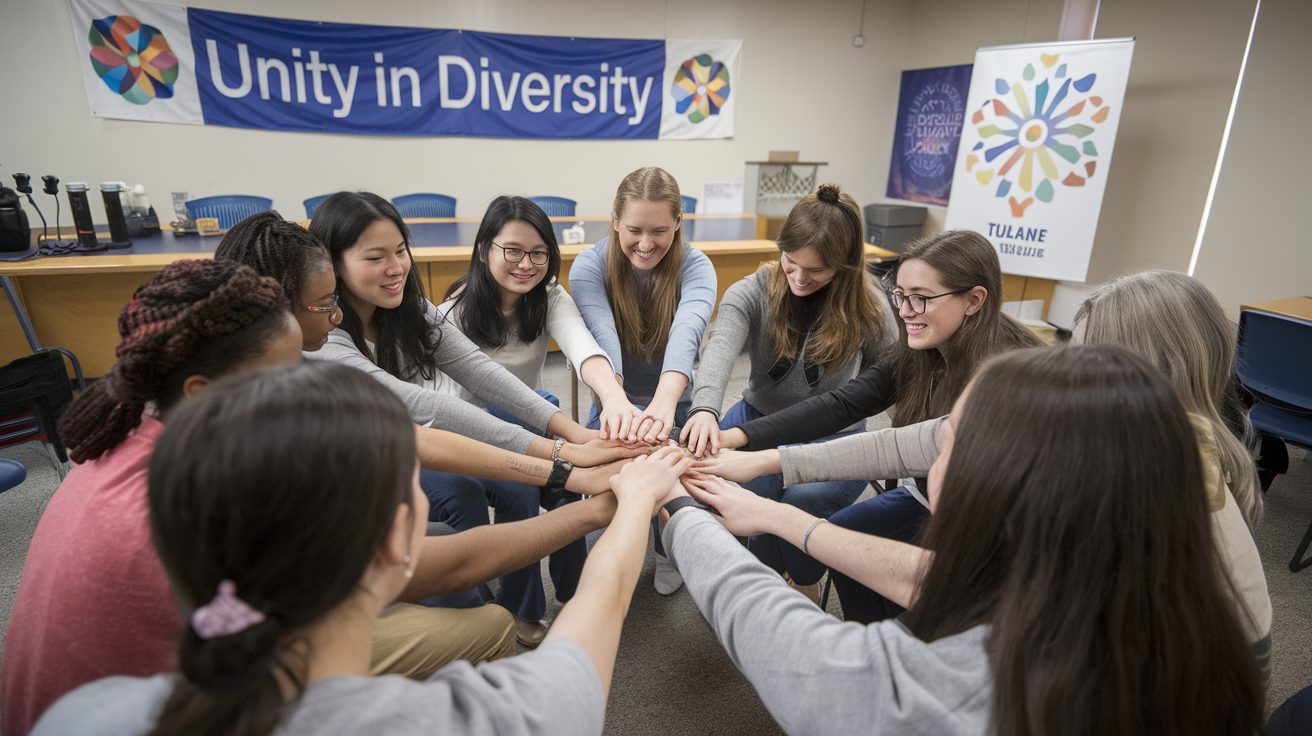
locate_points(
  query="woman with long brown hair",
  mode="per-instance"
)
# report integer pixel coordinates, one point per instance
(809, 323)
(948, 293)
(1061, 595)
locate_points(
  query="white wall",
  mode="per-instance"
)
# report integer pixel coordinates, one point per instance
(803, 87)
(1256, 246)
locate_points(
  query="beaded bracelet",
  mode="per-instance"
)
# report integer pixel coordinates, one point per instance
(807, 536)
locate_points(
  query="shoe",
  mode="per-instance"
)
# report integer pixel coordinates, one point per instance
(668, 579)
(812, 591)
(530, 633)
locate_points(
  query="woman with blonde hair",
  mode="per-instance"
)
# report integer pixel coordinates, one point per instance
(646, 296)
(810, 323)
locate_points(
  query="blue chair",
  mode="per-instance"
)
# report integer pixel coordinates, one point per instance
(689, 204)
(229, 209)
(555, 206)
(12, 473)
(313, 203)
(1272, 362)
(425, 205)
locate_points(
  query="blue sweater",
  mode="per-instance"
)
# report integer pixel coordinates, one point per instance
(697, 291)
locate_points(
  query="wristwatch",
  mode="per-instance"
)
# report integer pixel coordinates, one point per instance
(553, 492)
(683, 501)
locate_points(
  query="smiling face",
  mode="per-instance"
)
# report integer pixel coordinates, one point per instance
(374, 269)
(646, 231)
(517, 279)
(943, 316)
(806, 271)
(317, 291)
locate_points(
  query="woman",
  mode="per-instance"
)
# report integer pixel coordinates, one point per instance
(510, 480)
(948, 293)
(810, 323)
(646, 295)
(282, 569)
(510, 305)
(1059, 598)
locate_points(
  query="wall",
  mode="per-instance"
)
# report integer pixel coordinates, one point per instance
(803, 87)
(1255, 247)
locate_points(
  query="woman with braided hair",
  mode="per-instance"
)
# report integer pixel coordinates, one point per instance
(94, 600)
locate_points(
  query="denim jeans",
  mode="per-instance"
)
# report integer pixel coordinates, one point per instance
(819, 499)
(895, 515)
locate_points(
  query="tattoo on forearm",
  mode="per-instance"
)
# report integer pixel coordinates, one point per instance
(523, 465)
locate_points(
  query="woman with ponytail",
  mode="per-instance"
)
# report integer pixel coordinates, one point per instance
(285, 506)
(809, 323)
(94, 600)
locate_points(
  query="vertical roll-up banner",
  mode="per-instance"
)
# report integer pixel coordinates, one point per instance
(167, 63)
(1035, 151)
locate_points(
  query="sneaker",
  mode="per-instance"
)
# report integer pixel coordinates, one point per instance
(668, 578)
(530, 633)
(812, 592)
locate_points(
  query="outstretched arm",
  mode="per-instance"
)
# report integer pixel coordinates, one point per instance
(453, 453)
(465, 560)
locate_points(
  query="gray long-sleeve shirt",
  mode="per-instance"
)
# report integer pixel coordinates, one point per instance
(819, 675)
(899, 452)
(743, 321)
(458, 357)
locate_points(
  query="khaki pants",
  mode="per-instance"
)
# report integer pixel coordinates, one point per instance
(416, 641)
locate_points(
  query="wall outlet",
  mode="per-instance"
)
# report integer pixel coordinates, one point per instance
(858, 41)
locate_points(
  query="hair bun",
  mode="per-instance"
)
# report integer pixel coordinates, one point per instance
(828, 193)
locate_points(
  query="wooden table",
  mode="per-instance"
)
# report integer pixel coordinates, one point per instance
(1295, 307)
(74, 301)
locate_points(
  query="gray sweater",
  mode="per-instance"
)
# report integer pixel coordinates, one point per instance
(552, 690)
(743, 322)
(462, 360)
(819, 675)
(899, 452)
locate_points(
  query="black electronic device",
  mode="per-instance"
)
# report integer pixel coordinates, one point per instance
(52, 184)
(15, 235)
(23, 183)
(86, 229)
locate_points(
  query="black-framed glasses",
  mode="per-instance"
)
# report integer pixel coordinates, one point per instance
(515, 255)
(917, 302)
(328, 308)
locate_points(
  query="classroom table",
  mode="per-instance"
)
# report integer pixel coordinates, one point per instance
(73, 301)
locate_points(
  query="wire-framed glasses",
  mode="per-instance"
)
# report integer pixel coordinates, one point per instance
(917, 302)
(515, 255)
(328, 308)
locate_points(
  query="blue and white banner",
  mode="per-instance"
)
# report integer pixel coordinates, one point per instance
(931, 108)
(166, 63)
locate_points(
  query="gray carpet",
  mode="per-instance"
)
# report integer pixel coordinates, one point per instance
(672, 677)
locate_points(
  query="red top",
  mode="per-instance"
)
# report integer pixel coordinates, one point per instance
(94, 600)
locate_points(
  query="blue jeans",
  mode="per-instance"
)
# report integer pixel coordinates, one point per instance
(506, 416)
(819, 499)
(895, 515)
(680, 417)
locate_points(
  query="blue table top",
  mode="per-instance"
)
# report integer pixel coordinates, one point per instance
(422, 235)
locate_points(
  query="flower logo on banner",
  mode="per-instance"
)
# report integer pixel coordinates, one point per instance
(701, 87)
(1052, 129)
(133, 58)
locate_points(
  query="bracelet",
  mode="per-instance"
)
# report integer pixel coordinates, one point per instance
(807, 536)
(555, 451)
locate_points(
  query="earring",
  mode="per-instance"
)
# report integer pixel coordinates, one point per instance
(408, 572)
(406, 560)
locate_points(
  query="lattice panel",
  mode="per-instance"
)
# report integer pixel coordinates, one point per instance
(786, 184)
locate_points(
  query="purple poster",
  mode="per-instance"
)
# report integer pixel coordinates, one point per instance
(930, 111)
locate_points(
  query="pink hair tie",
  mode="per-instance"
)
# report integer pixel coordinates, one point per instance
(225, 615)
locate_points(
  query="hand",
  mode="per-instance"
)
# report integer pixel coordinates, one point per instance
(648, 479)
(619, 419)
(742, 512)
(599, 452)
(732, 439)
(595, 480)
(740, 467)
(701, 433)
(655, 423)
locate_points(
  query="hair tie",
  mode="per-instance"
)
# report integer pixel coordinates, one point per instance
(225, 615)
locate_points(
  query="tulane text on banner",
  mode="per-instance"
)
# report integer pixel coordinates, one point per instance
(144, 61)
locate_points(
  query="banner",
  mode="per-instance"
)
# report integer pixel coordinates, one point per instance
(1034, 154)
(166, 63)
(930, 110)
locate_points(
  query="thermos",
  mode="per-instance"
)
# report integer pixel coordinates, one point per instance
(77, 201)
(112, 193)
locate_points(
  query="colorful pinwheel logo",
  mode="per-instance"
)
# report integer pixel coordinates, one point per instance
(1036, 133)
(133, 58)
(701, 87)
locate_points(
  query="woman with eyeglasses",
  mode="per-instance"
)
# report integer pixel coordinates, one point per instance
(948, 294)
(810, 323)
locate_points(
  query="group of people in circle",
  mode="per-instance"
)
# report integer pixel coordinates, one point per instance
(253, 543)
